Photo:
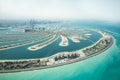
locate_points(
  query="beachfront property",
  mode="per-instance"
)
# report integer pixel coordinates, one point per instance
(53, 48)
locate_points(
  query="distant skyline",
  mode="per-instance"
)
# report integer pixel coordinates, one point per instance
(106, 10)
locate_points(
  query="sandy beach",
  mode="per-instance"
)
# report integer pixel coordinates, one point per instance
(64, 41)
(18, 45)
(41, 45)
(75, 39)
(88, 34)
(61, 61)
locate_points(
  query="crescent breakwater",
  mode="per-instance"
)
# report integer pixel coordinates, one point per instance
(58, 59)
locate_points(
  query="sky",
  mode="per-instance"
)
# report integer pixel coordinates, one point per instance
(108, 10)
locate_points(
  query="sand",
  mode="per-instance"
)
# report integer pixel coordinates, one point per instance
(64, 41)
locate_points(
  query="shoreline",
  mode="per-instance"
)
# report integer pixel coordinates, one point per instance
(69, 61)
(75, 39)
(46, 67)
(41, 45)
(20, 44)
(64, 41)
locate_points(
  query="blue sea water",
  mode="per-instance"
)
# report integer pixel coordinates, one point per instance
(23, 53)
(105, 66)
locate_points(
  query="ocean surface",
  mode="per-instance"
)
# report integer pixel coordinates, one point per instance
(23, 53)
(105, 66)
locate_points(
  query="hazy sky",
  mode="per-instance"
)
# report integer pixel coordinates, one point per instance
(61, 9)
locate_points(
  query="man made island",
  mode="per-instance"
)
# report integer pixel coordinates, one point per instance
(60, 58)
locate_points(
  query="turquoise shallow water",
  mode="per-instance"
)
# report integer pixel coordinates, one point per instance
(105, 66)
(23, 53)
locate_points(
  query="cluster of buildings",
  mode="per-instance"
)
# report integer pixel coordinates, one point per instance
(103, 44)
(58, 59)
(37, 29)
(26, 64)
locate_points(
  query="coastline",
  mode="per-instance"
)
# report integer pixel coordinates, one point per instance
(41, 45)
(64, 41)
(22, 44)
(75, 39)
(68, 62)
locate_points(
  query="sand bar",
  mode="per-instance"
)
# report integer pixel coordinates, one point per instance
(19, 44)
(75, 39)
(41, 45)
(64, 41)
